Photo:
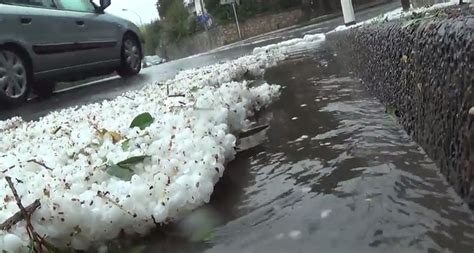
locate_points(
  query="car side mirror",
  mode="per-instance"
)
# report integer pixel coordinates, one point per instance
(103, 4)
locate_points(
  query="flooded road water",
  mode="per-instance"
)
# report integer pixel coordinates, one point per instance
(336, 174)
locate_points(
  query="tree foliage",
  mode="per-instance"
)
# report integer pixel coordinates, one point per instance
(177, 22)
(152, 33)
(248, 8)
(163, 6)
(217, 11)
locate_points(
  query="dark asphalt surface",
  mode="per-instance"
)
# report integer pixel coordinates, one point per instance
(112, 87)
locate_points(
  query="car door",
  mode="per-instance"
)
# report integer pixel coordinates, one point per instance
(97, 38)
(42, 29)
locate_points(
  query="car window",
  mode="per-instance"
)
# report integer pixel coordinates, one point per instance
(37, 3)
(75, 5)
(49, 3)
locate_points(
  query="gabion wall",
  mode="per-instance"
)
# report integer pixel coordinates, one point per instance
(423, 68)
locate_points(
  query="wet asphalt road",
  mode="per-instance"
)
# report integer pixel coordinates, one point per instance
(112, 87)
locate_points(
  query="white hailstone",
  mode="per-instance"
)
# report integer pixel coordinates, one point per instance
(32, 167)
(325, 213)
(306, 189)
(303, 137)
(295, 234)
(160, 212)
(12, 243)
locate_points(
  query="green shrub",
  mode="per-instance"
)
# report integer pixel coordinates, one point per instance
(152, 35)
(247, 8)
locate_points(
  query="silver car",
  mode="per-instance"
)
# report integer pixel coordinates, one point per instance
(45, 41)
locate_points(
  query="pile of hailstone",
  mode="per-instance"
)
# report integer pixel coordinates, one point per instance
(97, 173)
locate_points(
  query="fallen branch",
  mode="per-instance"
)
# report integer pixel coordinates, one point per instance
(17, 217)
(15, 194)
(38, 243)
(27, 216)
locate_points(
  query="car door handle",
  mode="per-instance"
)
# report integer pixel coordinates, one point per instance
(80, 23)
(25, 20)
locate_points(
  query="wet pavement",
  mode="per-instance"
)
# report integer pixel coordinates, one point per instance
(335, 174)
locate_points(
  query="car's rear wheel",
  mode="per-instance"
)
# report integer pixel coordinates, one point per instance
(131, 58)
(14, 78)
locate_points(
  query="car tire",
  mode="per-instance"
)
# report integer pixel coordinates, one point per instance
(131, 57)
(15, 78)
(44, 89)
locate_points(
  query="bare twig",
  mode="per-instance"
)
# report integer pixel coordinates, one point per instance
(176, 95)
(103, 196)
(15, 194)
(40, 163)
(57, 130)
(6, 170)
(17, 217)
(191, 106)
(154, 221)
(37, 243)
(203, 109)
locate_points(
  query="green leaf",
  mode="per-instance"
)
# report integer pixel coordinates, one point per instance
(126, 145)
(122, 172)
(132, 161)
(142, 121)
(123, 169)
